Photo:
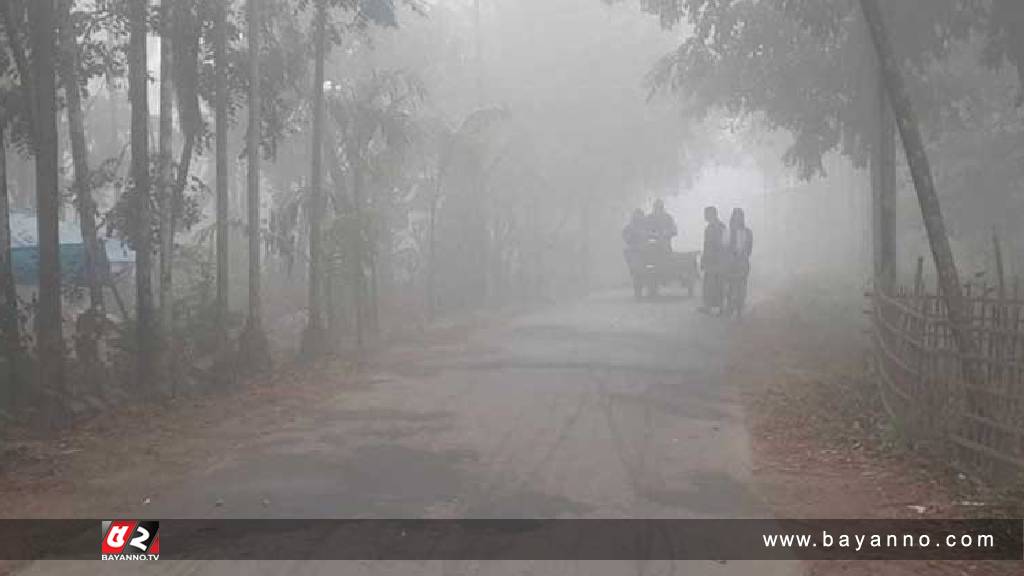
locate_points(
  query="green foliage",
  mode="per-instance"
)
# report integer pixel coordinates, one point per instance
(98, 57)
(14, 104)
(806, 65)
(1004, 30)
(121, 221)
(976, 152)
(196, 323)
(286, 55)
(376, 124)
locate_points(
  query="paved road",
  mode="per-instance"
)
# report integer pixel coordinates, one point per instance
(601, 408)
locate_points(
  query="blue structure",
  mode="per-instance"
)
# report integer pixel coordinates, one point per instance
(25, 251)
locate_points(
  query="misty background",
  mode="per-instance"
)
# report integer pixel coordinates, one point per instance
(484, 154)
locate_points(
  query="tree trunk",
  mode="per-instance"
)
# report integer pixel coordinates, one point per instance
(477, 232)
(253, 158)
(432, 256)
(337, 296)
(48, 313)
(920, 171)
(221, 143)
(435, 201)
(184, 167)
(332, 329)
(313, 343)
(8, 295)
(359, 248)
(94, 275)
(137, 95)
(254, 341)
(883, 188)
(89, 325)
(373, 298)
(166, 180)
(585, 267)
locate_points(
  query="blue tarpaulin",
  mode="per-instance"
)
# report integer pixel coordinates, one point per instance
(25, 250)
(26, 264)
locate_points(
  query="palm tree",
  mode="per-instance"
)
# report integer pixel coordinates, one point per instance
(451, 144)
(374, 111)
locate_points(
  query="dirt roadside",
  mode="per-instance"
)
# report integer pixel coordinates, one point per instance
(822, 447)
(112, 462)
(116, 463)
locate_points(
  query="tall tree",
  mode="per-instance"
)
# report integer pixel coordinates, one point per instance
(883, 189)
(48, 314)
(12, 14)
(375, 129)
(166, 181)
(314, 340)
(9, 329)
(70, 62)
(15, 112)
(364, 12)
(137, 95)
(186, 26)
(221, 153)
(254, 343)
(921, 173)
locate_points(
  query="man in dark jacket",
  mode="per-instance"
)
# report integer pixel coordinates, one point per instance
(712, 260)
(662, 226)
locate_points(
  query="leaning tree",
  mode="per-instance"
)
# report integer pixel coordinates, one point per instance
(802, 65)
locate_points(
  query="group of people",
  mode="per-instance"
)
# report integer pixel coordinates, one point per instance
(725, 260)
(726, 263)
(658, 226)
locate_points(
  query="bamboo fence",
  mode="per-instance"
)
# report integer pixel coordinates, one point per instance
(970, 408)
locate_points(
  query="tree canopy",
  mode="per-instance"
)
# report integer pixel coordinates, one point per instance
(807, 65)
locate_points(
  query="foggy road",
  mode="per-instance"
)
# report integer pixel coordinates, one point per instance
(607, 408)
(600, 408)
(357, 259)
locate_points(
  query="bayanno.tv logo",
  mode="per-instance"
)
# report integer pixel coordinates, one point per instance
(130, 540)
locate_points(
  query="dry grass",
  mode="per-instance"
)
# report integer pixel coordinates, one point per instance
(823, 445)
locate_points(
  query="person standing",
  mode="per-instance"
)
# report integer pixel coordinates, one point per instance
(712, 260)
(741, 244)
(634, 235)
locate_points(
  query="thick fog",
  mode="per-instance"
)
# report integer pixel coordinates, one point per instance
(489, 153)
(558, 259)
